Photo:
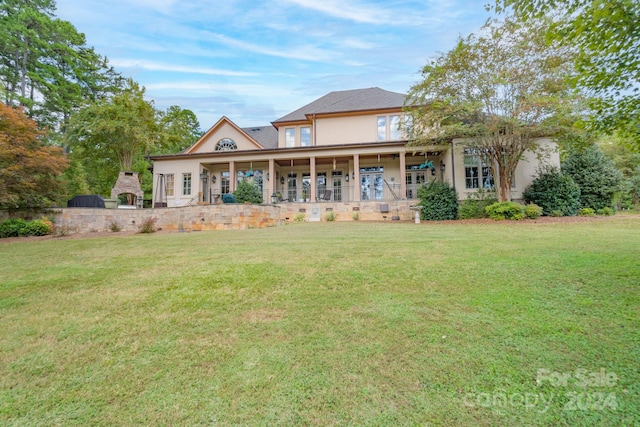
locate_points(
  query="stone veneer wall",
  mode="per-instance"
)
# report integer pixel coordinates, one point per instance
(214, 217)
(367, 211)
(189, 218)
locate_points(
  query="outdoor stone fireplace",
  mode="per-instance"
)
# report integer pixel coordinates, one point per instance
(128, 183)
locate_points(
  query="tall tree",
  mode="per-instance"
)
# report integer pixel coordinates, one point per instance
(45, 65)
(29, 169)
(179, 129)
(501, 89)
(607, 36)
(112, 134)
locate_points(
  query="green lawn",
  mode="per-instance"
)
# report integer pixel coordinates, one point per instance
(326, 324)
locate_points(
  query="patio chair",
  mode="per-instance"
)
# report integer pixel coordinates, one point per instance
(325, 195)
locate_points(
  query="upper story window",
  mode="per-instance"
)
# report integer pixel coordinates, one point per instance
(395, 133)
(305, 137)
(382, 128)
(226, 144)
(289, 137)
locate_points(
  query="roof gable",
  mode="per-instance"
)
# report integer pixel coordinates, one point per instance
(347, 101)
(246, 139)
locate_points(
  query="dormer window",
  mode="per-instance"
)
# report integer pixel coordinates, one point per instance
(226, 144)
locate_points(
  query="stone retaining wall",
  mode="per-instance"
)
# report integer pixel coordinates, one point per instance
(215, 217)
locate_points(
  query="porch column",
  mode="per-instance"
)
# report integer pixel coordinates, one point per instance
(232, 176)
(356, 177)
(272, 179)
(403, 178)
(312, 172)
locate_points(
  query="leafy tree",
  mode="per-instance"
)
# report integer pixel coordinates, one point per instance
(29, 169)
(45, 65)
(595, 174)
(501, 89)
(179, 129)
(553, 191)
(628, 163)
(607, 36)
(112, 134)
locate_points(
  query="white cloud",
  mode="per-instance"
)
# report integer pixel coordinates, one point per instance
(158, 66)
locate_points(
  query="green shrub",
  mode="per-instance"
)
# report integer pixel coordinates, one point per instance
(148, 226)
(606, 211)
(587, 212)
(355, 216)
(20, 227)
(37, 227)
(228, 198)
(556, 213)
(553, 191)
(247, 193)
(596, 176)
(532, 211)
(475, 204)
(115, 227)
(12, 227)
(330, 216)
(439, 201)
(299, 217)
(505, 210)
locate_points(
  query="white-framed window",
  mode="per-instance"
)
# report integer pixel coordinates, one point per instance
(224, 182)
(290, 137)
(477, 172)
(395, 133)
(186, 184)
(226, 144)
(305, 136)
(382, 128)
(170, 184)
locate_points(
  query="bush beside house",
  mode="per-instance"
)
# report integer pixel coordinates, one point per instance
(439, 201)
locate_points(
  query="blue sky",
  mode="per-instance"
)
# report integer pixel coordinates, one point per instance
(255, 61)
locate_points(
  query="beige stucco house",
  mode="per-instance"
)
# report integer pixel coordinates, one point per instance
(346, 148)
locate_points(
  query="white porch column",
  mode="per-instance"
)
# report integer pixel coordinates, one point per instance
(312, 172)
(403, 178)
(356, 177)
(232, 176)
(272, 178)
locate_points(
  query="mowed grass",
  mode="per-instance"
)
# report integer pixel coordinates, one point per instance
(325, 324)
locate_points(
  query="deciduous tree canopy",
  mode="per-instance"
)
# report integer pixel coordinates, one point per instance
(502, 89)
(607, 36)
(29, 169)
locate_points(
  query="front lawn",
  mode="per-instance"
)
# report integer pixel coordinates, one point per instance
(326, 324)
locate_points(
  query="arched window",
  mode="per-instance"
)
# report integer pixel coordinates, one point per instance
(226, 144)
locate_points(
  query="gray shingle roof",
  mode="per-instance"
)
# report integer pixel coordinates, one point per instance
(267, 136)
(348, 101)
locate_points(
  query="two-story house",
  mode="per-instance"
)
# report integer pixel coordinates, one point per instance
(345, 147)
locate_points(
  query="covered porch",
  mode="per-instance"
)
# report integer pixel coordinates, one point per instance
(374, 173)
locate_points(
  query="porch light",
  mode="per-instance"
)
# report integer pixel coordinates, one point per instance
(267, 176)
(274, 198)
(441, 166)
(346, 178)
(213, 179)
(204, 176)
(282, 180)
